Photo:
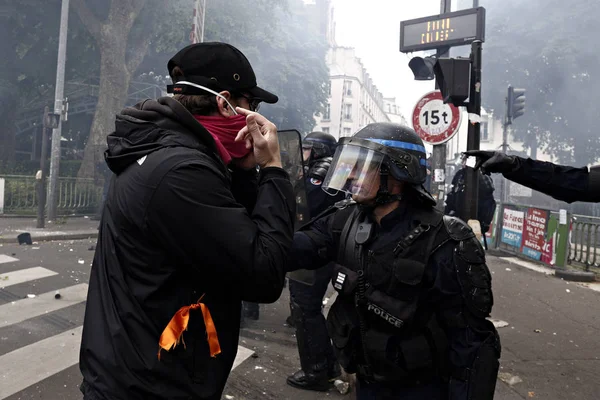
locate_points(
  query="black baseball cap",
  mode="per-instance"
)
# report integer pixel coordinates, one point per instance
(217, 66)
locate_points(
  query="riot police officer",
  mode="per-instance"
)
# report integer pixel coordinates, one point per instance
(564, 183)
(413, 287)
(317, 361)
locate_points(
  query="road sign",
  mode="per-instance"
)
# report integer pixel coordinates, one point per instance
(434, 121)
(450, 29)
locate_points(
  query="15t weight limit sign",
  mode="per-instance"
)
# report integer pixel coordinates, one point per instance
(434, 121)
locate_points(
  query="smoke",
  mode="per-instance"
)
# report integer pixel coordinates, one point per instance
(548, 48)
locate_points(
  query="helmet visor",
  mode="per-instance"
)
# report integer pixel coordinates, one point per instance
(354, 170)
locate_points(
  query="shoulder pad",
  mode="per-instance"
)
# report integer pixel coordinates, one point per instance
(457, 229)
(471, 251)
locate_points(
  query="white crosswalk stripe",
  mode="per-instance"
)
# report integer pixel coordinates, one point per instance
(7, 259)
(18, 311)
(24, 275)
(28, 365)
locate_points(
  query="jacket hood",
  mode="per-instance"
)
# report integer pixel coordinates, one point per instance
(152, 125)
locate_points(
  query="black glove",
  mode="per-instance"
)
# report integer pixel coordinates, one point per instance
(319, 168)
(493, 161)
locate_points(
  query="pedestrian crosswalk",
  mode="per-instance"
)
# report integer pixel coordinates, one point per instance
(26, 366)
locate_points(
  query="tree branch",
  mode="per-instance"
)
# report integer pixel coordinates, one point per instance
(139, 49)
(140, 43)
(91, 22)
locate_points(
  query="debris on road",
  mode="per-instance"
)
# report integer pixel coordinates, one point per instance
(537, 330)
(57, 295)
(341, 386)
(31, 296)
(498, 323)
(509, 379)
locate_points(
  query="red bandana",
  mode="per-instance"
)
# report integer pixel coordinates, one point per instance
(224, 130)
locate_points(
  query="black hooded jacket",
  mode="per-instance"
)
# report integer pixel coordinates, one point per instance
(172, 231)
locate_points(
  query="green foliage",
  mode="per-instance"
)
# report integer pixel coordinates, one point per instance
(548, 48)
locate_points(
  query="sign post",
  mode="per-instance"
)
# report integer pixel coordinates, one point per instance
(441, 32)
(436, 123)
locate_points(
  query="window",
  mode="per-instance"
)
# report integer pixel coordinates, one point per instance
(484, 131)
(325, 130)
(327, 114)
(348, 112)
(348, 88)
(329, 88)
(347, 132)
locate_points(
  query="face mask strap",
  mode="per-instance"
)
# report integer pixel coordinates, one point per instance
(209, 91)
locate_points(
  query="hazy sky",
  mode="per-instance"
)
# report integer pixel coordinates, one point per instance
(373, 28)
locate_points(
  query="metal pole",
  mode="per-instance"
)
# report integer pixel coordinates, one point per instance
(439, 150)
(58, 102)
(473, 136)
(203, 21)
(42, 180)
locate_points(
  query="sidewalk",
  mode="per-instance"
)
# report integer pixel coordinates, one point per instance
(67, 229)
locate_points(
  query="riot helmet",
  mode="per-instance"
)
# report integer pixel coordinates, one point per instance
(382, 149)
(318, 145)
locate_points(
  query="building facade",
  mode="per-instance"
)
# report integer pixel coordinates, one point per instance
(393, 111)
(354, 100)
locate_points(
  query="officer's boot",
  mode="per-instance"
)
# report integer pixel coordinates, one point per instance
(311, 335)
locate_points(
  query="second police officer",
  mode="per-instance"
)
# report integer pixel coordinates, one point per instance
(317, 361)
(413, 287)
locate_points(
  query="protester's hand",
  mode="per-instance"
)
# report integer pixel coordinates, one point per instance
(492, 161)
(260, 135)
(246, 163)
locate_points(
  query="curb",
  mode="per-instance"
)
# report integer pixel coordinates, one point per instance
(50, 238)
(575, 276)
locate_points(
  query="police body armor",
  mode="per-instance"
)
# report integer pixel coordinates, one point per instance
(378, 325)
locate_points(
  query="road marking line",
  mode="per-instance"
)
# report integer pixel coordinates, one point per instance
(6, 259)
(242, 355)
(528, 265)
(24, 275)
(21, 310)
(30, 364)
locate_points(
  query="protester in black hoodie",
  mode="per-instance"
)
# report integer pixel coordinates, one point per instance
(177, 251)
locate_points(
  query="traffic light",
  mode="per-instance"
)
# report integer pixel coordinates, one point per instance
(422, 68)
(453, 76)
(515, 106)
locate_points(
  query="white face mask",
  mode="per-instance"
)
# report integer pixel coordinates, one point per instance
(209, 91)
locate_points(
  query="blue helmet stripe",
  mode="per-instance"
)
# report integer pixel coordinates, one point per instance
(400, 145)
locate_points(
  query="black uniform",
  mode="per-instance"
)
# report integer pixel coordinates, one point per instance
(425, 296)
(413, 290)
(561, 182)
(317, 360)
(486, 205)
(564, 183)
(172, 231)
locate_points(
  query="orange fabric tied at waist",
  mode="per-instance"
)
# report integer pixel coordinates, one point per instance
(173, 333)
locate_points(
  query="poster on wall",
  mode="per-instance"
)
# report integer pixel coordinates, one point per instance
(534, 234)
(512, 227)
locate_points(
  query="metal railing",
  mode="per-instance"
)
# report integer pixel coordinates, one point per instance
(75, 196)
(584, 241)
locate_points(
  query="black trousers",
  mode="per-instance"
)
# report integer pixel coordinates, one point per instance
(314, 345)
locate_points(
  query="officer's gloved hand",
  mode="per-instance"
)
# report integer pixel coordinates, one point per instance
(493, 161)
(320, 168)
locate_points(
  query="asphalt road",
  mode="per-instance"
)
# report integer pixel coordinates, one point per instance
(550, 345)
